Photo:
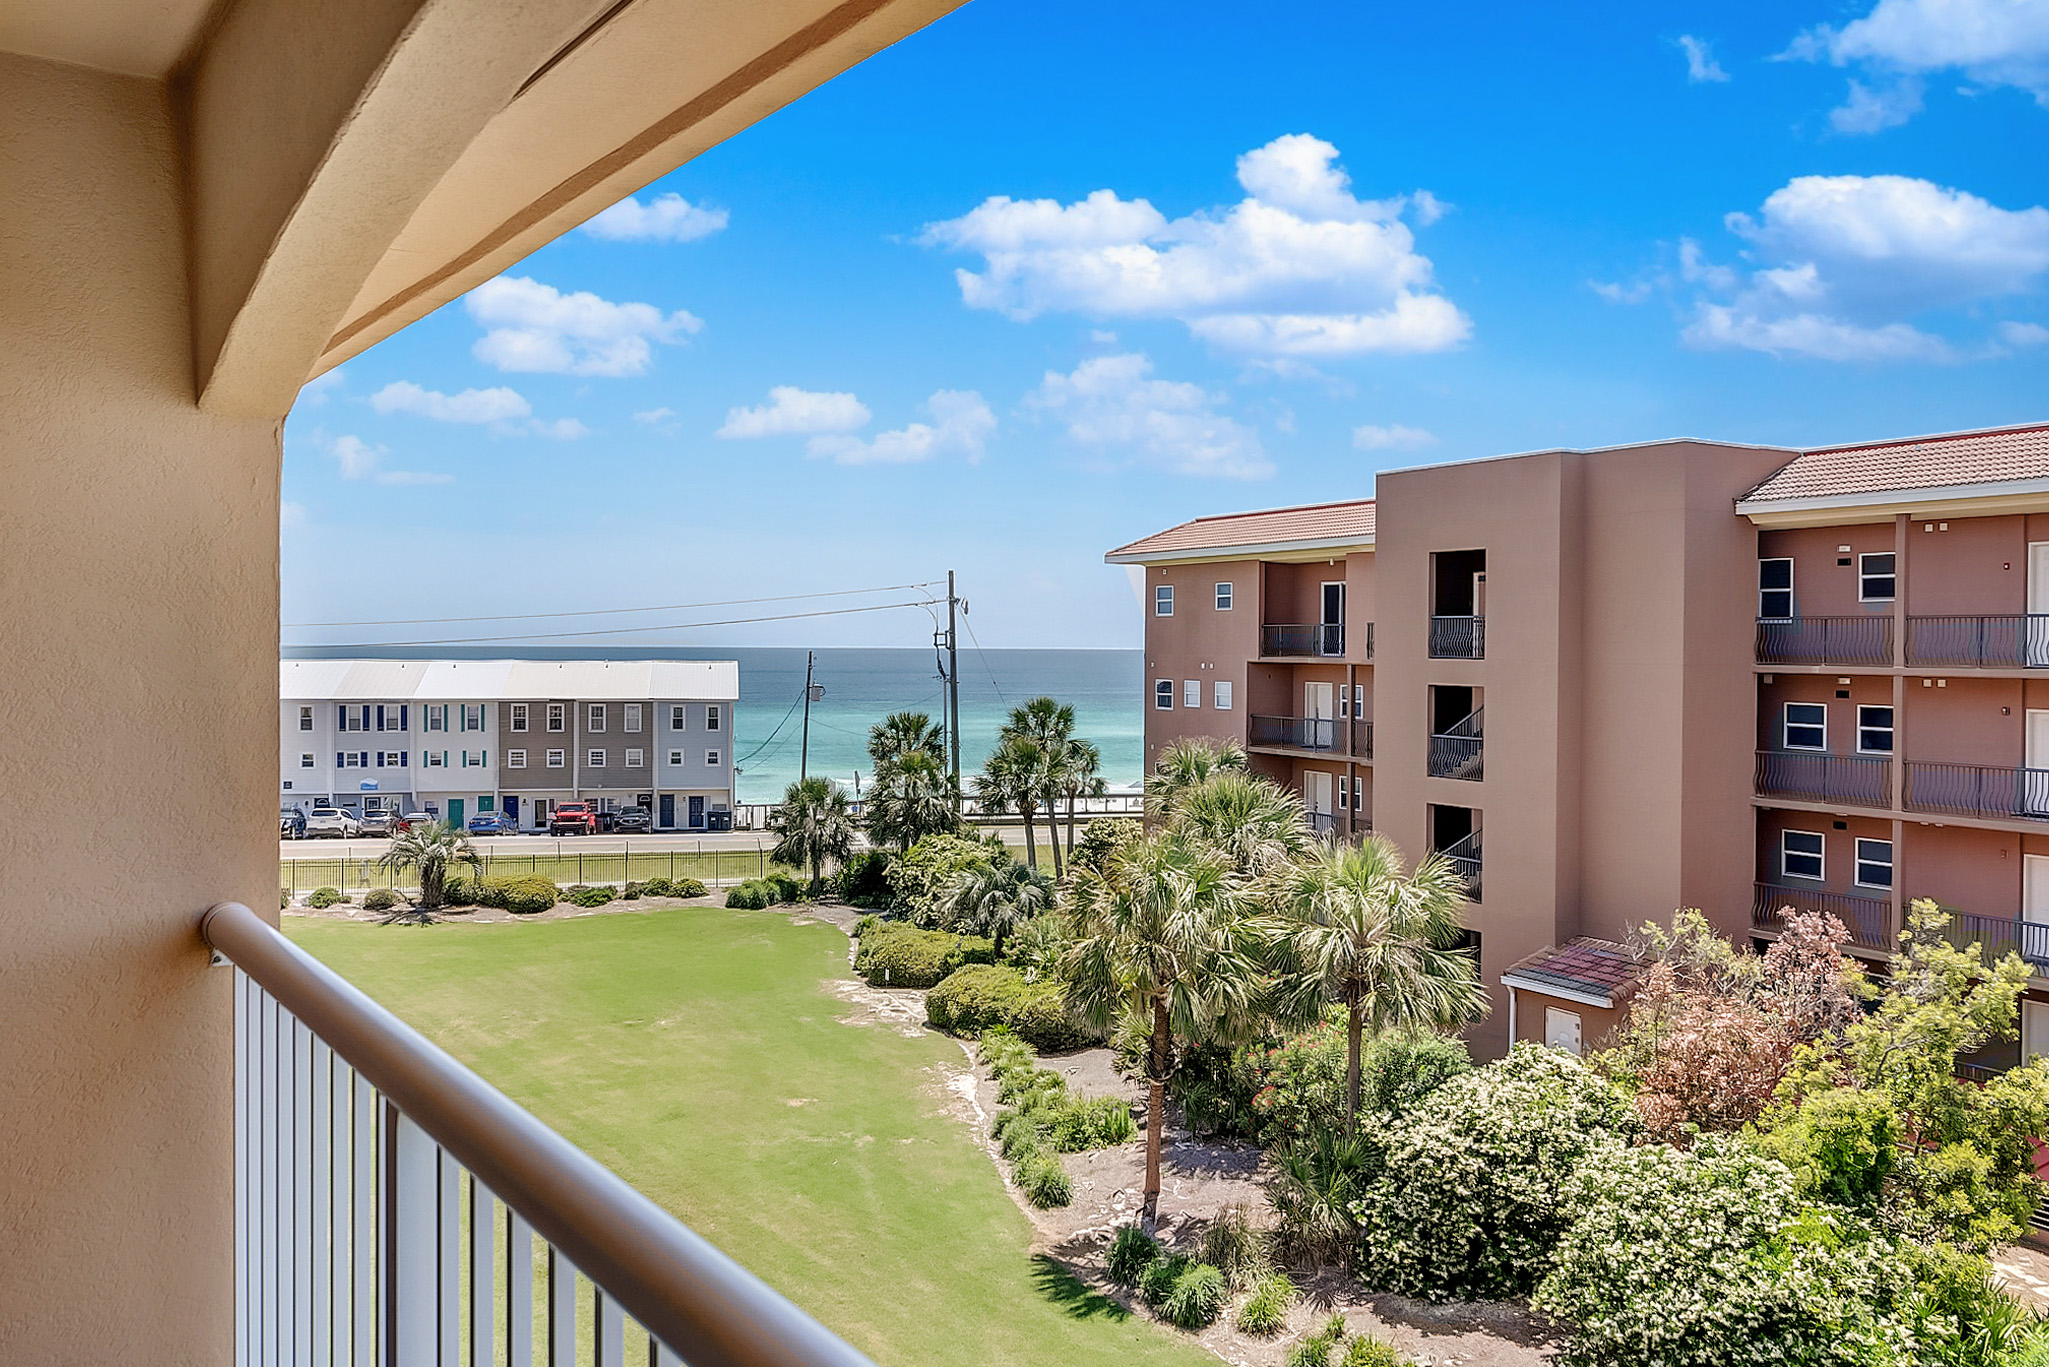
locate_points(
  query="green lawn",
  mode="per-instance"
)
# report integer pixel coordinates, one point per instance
(698, 1052)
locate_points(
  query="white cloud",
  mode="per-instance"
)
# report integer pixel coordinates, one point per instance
(1615, 292)
(533, 327)
(1991, 42)
(561, 429)
(1701, 66)
(654, 417)
(2023, 334)
(1392, 438)
(961, 426)
(1112, 403)
(360, 460)
(794, 412)
(291, 516)
(665, 218)
(1842, 265)
(320, 388)
(472, 405)
(1301, 266)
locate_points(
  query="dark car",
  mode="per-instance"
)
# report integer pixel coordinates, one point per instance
(291, 824)
(492, 823)
(632, 819)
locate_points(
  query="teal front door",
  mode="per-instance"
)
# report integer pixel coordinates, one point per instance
(455, 812)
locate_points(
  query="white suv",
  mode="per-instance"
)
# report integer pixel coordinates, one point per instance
(331, 821)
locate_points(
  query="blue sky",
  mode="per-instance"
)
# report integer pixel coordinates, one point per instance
(1048, 276)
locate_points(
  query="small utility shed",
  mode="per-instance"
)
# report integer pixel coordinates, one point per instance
(1568, 996)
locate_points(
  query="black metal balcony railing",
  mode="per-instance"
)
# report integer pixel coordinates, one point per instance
(1458, 638)
(1369, 640)
(1998, 936)
(1362, 740)
(1464, 855)
(2009, 641)
(1863, 640)
(1868, 919)
(1323, 823)
(1456, 751)
(1302, 640)
(1320, 734)
(1978, 790)
(1850, 780)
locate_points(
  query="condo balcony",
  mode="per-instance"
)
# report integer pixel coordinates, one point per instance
(1458, 638)
(1979, 790)
(1307, 640)
(1868, 919)
(1815, 777)
(1998, 936)
(1464, 855)
(1863, 640)
(1457, 751)
(1362, 740)
(1319, 735)
(2006, 641)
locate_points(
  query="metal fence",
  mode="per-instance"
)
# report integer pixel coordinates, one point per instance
(568, 866)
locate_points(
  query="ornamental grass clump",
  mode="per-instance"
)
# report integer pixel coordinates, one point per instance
(1044, 1182)
(1197, 1297)
(1265, 1311)
(1233, 1244)
(1156, 1281)
(1132, 1251)
(1315, 1350)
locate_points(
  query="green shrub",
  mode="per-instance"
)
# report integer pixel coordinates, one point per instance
(783, 888)
(687, 887)
(632, 892)
(1102, 838)
(863, 881)
(284, 898)
(1368, 1351)
(1315, 1350)
(655, 887)
(1960, 1317)
(1841, 1144)
(1398, 1068)
(919, 879)
(1156, 1281)
(1302, 1086)
(521, 894)
(1266, 1310)
(894, 954)
(595, 896)
(1232, 1244)
(1018, 1134)
(976, 997)
(1465, 1198)
(752, 895)
(1132, 1250)
(1030, 1089)
(381, 899)
(322, 898)
(1197, 1297)
(1097, 1123)
(1045, 1183)
(459, 892)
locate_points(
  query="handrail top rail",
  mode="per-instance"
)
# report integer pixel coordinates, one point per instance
(668, 1278)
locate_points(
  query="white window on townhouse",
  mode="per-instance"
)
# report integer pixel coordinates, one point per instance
(1163, 600)
(517, 716)
(676, 718)
(1806, 726)
(558, 716)
(306, 761)
(1221, 695)
(1344, 793)
(1876, 582)
(1191, 692)
(472, 716)
(1775, 589)
(1224, 597)
(1800, 854)
(1874, 729)
(557, 758)
(474, 759)
(594, 720)
(434, 759)
(631, 714)
(711, 758)
(1874, 863)
(305, 719)
(1163, 695)
(1358, 792)
(711, 718)
(437, 716)
(636, 759)
(515, 759)
(676, 757)
(594, 758)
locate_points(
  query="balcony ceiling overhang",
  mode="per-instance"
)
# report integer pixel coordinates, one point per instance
(1283, 552)
(2004, 498)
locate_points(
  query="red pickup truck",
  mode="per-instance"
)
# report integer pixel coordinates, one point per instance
(573, 818)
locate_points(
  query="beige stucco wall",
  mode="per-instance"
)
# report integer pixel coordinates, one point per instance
(138, 560)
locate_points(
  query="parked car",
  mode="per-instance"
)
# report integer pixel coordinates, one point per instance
(291, 824)
(493, 823)
(411, 819)
(376, 823)
(332, 822)
(632, 819)
(573, 818)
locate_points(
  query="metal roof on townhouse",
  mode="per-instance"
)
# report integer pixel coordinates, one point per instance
(1316, 526)
(508, 680)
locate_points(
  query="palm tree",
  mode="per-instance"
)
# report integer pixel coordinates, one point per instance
(1081, 777)
(431, 849)
(998, 898)
(1013, 778)
(815, 827)
(1361, 931)
(1181, 765)
(1164, 938)
(911, 798)
(1050, 724)
(1253, 822)
(904, 733)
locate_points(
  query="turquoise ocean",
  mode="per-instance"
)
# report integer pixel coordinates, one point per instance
(1106, 688)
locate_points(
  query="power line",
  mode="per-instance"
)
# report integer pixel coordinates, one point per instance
(606, 631)
(771, 735)
(609, 612)
(983, 656)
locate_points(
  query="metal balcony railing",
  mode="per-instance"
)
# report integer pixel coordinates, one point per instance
(1863, 640)
(1369, 640)
(1850, 780)
(1320, 734)
(1458, 638)
(1456, 752)
(1302, 639)
(1323, 823)
(1868, 919)
(2008, 641)
(1978, 790)
(359, 1150)
(1998, 936)
(1464, 855)
(1362, 740)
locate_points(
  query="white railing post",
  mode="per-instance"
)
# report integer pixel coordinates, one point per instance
(483, 1281)
(561, 1310)
(519, 1290)
(411, 1295)
(245, 1301)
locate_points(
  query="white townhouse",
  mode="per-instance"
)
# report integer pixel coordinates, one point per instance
(460, 737)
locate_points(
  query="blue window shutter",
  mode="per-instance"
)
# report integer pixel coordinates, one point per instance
(380, 759)
(337, 761)
(403, 756)
(341, 717)
(380, 716)
(401, 716)
(363, 759)
(487, 758)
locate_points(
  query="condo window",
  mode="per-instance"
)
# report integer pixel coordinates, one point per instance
(1163, 600)
(1191, 692)
(437, 718)
(1874, 729)
(305, 719)
(675, 757)
(594, 758)
(636, 759)
(434, 759)
(472, 717)
(1806, 726)
(1344, 794)
(515, 759)
(676, 718)
(1163, 695)
(305, 761)
(1358, 792)
(1223, 597)
(711, 757)
(556, 758)
(597, 717)
(1874, 863)
(1359, 701)
(632, 717)
(558, 716)
(1875, 580)
(1800, 854)
(711, 719)
(519, 716)
(1775, 589)
(1222, 695)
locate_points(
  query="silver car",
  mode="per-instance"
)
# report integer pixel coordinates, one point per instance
(332, 822)
(376, 823)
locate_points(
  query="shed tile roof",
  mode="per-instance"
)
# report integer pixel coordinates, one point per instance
(1349, 522)
(1602, 968)
(2013, 453)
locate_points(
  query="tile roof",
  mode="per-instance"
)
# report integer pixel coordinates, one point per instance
(1600, 968)
(1348, 523)
(1959, 458)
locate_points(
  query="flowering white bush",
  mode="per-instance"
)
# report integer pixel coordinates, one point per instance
(1468, 1193)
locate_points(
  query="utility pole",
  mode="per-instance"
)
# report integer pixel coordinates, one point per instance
(804, 753)
(953, 677)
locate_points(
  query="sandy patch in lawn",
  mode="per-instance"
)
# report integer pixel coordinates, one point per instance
(901, 1009)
